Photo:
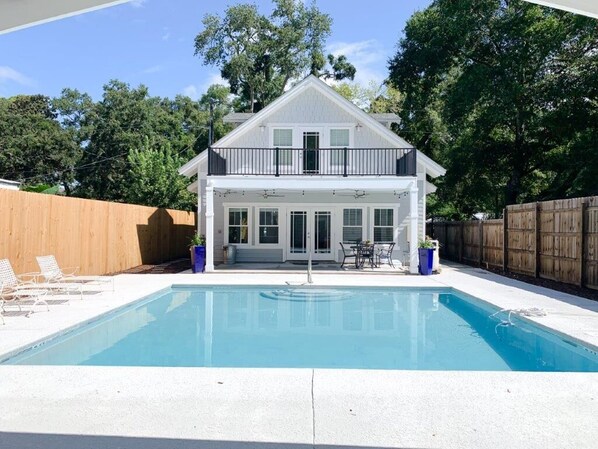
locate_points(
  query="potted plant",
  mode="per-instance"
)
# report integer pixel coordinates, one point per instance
(197, 246)
(426, 256)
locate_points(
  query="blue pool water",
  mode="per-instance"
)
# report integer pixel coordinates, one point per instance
(372, 328)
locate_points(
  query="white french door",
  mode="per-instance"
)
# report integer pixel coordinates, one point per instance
(310, 229)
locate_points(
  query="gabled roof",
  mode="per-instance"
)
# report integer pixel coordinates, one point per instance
(311, 82)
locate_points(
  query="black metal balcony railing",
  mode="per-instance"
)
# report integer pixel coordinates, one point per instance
(312, 162)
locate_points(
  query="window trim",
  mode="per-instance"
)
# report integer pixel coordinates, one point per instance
(363, 222)
(290, 161)
(228, 225)
(393, 226)
(260, 226)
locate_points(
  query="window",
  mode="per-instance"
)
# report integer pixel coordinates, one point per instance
(283, 138)
(352, 225)
(338, 138)
(238, 228)
(268, 226)
(383, 225)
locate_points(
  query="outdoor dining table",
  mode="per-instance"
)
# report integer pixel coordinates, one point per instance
(364, 252)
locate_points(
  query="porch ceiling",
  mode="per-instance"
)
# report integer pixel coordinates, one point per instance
(379, 184)
(17, 14)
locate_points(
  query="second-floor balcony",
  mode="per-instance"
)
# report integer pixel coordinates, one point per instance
(312, 162)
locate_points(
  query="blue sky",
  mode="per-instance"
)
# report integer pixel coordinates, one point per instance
(151, 42)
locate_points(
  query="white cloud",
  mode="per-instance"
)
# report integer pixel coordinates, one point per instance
(191, 91)
(195, 91)
(367, 56)
(166, 34)
(137, 3)
(8, 74)
(153, 69)
(214, 78)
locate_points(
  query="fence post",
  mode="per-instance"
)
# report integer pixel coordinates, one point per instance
(505, 237)
(481, 242)
(461, 240)
(582, 262)
(537, 229)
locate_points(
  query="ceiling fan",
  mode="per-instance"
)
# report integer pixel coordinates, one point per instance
(270, 194)
(356, 194)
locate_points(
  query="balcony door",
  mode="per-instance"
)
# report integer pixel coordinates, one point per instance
(310, 229)
(311, 153)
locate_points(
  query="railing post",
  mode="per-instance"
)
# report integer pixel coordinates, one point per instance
(345, 153)
(209, 161)
(414, 162)
(277, 161)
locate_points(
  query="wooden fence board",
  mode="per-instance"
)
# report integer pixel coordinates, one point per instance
(555, 240)
(99, 237)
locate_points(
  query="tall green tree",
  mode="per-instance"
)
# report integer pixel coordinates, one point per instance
(260, 55)
(122, 120)
(155, 180)
(34, 148)
(489, 91)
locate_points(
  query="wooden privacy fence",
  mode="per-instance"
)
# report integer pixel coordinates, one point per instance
(98, 236)
(555, 240)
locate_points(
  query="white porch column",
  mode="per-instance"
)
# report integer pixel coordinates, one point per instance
(413, 233)
(209, 227)
(199, 201)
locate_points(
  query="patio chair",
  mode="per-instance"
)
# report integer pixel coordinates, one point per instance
(11, 294)
(348, 254)
(21, 285)
(384, 254)
(51, 272)
(367, 252)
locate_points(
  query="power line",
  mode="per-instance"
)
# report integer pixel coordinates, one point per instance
(123, 154)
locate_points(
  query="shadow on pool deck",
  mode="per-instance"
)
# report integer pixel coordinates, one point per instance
(14, 440)
(557, 295)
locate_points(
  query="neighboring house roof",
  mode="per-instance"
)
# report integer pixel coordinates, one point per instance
(432, 168)
(15, 15)
(387, 119)
(584, 7)
(237, 117)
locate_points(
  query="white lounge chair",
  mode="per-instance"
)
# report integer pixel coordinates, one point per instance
(51, 272)
(11, 294)
(21, 286)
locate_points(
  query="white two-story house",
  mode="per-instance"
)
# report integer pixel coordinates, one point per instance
(307, 172)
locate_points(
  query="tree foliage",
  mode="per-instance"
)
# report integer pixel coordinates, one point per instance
(33, 146)
(259, 55)
(155, 180)
(503, 93)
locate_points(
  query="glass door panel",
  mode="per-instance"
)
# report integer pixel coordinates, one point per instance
(298, 228)
(322, 231)
(311, 156)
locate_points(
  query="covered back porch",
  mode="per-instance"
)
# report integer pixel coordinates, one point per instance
(283, 222)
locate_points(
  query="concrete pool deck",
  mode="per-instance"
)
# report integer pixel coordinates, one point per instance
(134, 407)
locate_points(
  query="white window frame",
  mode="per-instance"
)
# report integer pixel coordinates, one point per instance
(286, 149)
(260, 225)
(343, 226)
(394, 222)
(227, 224)
(339, 148)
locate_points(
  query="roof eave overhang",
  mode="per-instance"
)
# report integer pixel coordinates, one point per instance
(16, 15)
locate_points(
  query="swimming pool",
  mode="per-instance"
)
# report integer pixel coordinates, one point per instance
(313, 327)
